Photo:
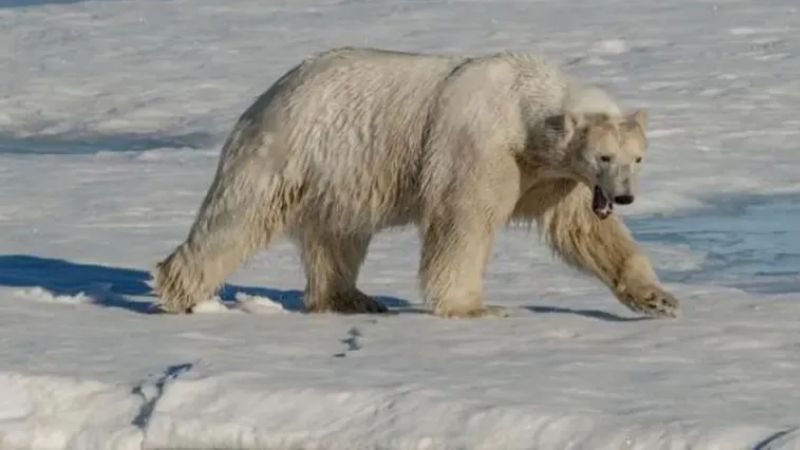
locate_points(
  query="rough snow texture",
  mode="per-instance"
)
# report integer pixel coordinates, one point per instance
(110, 118)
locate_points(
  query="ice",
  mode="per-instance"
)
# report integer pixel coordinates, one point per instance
(210, 306)
(610, 47)
(749, 243)
(255, 304)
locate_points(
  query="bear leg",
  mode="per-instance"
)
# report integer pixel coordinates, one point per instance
(229, 228)
(452, 266)
(605, 248)
(194, 271)
(332, 264)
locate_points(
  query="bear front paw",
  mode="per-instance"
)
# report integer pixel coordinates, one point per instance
(652, 301)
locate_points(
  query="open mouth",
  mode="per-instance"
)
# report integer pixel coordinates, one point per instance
(601, 204)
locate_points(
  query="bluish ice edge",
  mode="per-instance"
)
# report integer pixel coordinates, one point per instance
(750, 243)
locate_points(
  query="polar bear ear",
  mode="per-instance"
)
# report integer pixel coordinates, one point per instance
(564, 125)
(639, 118)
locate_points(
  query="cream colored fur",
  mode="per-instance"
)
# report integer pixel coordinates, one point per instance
(353, 141)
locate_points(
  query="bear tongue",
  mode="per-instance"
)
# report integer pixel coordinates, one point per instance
(601, 205)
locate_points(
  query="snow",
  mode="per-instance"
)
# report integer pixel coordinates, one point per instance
(256, 304)
(42, 295)
(111, 116)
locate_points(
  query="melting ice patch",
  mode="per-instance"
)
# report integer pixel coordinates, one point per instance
(747, 243)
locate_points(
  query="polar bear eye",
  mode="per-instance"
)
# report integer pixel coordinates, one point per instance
(605, 158)
(639, 159)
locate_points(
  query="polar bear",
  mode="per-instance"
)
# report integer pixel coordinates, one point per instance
(352, 141)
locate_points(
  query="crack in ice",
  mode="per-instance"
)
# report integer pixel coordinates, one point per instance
(765, 444)
(149, 404)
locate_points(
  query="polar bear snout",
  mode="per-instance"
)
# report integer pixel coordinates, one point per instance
(618, 182)
(623, 199)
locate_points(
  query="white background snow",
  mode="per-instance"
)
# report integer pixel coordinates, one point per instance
(111, 116)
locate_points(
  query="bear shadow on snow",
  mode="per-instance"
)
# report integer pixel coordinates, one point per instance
(111, 286)
(590, 313)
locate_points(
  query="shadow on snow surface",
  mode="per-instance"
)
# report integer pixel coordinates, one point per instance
(109, 286)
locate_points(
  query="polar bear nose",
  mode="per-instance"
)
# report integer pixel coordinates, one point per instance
(623, 199)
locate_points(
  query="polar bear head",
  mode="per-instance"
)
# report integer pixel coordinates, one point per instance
(603, 151)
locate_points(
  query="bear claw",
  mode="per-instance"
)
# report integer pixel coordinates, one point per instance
(653, 302)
